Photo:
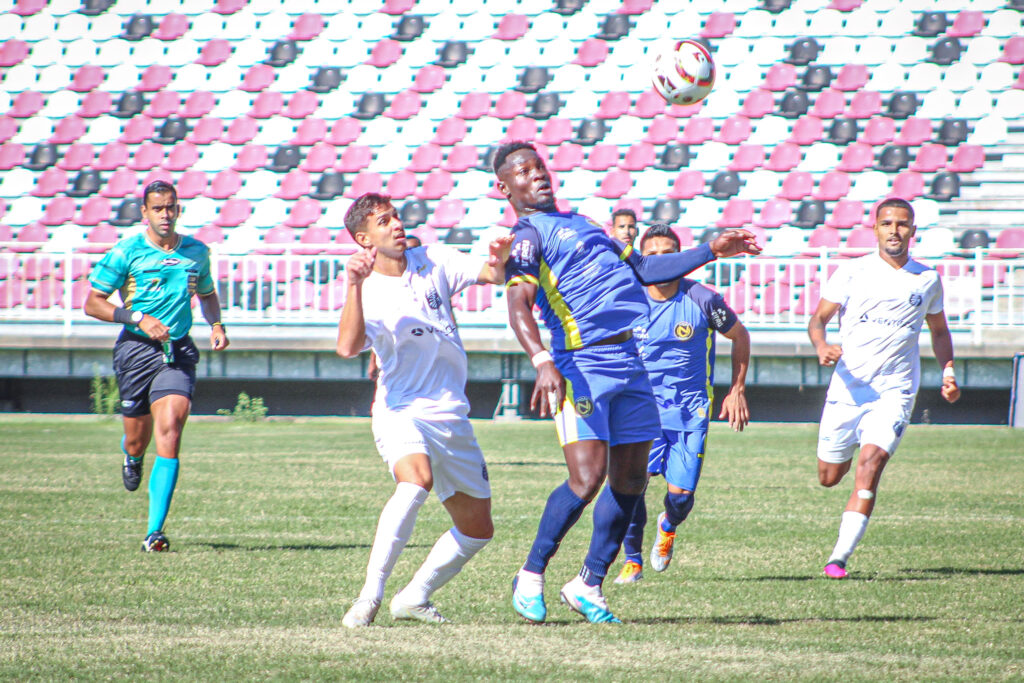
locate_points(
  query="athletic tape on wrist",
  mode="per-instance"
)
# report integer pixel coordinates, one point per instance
(948, 372)
(541, 357)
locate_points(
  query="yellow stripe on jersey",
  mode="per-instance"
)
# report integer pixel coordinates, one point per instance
(626, 252)
(565, 419)
(522, 278)
(128, 291)
(708, 358)
(570, 328)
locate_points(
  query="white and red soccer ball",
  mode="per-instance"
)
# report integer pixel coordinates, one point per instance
(683, 71)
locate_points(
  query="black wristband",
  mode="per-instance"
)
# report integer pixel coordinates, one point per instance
(123, 316)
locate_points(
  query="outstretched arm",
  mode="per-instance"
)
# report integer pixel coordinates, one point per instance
(665, 267)
(549, 388)
(942, 347)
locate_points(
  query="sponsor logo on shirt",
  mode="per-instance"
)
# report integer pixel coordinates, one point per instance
(170, 261)
(523, 254)
(916, 299)
(683, 331)
(565, 234)
(584, 406)
(717, 317)
(127, 404)
(420, 331)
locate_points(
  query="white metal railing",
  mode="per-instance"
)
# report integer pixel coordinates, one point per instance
(984, 290)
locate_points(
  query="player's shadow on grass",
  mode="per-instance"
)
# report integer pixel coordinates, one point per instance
(297, 546)
(952, 571)
(521, 463)
(763, 620)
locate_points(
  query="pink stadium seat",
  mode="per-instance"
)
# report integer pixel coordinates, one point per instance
(11, 154)
(402, 184)
(993, 273)
(591, 52)
(967, 23)
(521, 128)
(930, 158)
(12, 52)
(775, 213)
(856, 157)
(47, 292)
(26, 104)
(276, 240)
(739, 296)
(229, 6)
(847, 213)
(251, 157)
(662, 130)
(461, 158)
(191, 184)
(880, 130)
(908, 185)
(172, 27)
(224, 185)
(154, 78)
(100, 238)
(344, 131)
(718, 25)
(615, 184)
(697, 130)
(800, 272)
(508, 217)
(1010, 238)
(122, 183)
(648, 105)
(113, 155)
(258, 77)
(296, 183)
(268, 103)
(303, 213)
(436, 185)
(214, 52)
(685, 236)
(829, 104)
(635, 6)
(737, 213)
(299, 294)
(50, 182)
(210, 233)
(632, 203)
(94, 211)
(355, 158)
(602, 157)
(915, 131)
(30, 238)
(447, 214)
(60, 210)
(865, 104)
(302, 104)
(852, 77)
(307, 26)
(233, 213)
(364, 182)
(808, 300)
(67, 130)
(784, 157)
(613, 105)
(1013, 50)
(309, 132)
(779, 77)
(147, 155)
(332, 294)
(198, 104)
(139, 129)
(776, 298)
(747, 158)
(807, 130)
(556, 131)
(796, 186)
(475, 298)
(315, 239)
(687, 185)
(639, 156)
(157, 174)
(429, 78)
(77, 157)
(758, 103)
(240, 131)
(181, 157)
(88, 77)
(405, 105)
(967, 158)
(95, 103)
(206, 130)
(566, 157)
(509, 105)
(512, 27)
(734, 130)
(320, 157)
(427, 234)
(450, 131)
(474, 105)
(385, 53)
(860, 240)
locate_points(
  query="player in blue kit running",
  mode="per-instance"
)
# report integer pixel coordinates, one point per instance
(157, 272)
(588, 289)
(677, 344)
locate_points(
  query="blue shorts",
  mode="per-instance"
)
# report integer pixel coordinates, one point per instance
(608, 396)
(678, 456)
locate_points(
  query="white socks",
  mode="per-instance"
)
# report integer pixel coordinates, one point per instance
(851, 530)
(451, 552)
(397, 520)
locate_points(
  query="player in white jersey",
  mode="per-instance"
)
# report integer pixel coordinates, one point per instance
(399, 303)
(883, 299)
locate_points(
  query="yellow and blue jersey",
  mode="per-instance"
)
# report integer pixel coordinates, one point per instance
(157, 282)
(677, 344)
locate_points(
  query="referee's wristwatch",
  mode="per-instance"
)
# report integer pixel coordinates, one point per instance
(137, 317)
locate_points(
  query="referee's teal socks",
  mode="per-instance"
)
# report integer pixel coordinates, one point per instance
(162, 479)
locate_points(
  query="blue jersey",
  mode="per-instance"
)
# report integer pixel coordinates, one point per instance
(677, 344)
(157, 282)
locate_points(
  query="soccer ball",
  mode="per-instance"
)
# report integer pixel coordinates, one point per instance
(683, 71)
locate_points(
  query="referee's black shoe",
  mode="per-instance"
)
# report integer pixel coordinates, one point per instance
(131, 470)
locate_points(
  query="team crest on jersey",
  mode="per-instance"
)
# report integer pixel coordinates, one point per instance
(916, 299)
(434, 299)
(683, 331)
(170, 261)
(584, 406)
(899, 427)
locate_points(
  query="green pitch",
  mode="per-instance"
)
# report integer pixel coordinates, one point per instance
(271, 525)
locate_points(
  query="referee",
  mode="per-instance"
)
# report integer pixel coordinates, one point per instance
(156, 273)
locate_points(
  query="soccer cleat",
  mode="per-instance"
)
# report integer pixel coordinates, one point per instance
(588, 601)
(835, 569)
(131, 470)
(661, 553)
(531, 608)
(361, 613)
(156, 542)
(426, 612)
(631, 573)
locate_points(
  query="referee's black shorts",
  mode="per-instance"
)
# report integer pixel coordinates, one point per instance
(145, 375)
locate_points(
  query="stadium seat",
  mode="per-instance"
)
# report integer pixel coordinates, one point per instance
(807, 301)
(639, 156)
(830, 103)
(214, 52)
(847, 213)
(58, 211)
(930, 158)
(737, 213)
(879, 130)
(94, 211)
(775, 213)
(856, 157)
(614, 27)
(816, 78)
(944, 187)
(296, 183)
(86, 183)
(747, 158)
(967, 23)
(233, 212)
(1013, 50)
(914, 131)
(908, 185)
(784, 157)
(851, 78)
(616, 183)
(329, 186)
(192, 184)
(718, 25)
(966, 159)
(810, 214)
(859, 240)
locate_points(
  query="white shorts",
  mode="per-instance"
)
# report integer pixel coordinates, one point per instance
(880, 423)
(455, 458)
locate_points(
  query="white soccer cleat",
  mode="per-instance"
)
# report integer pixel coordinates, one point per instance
(588, 601)
(426, 612)
(361, 613)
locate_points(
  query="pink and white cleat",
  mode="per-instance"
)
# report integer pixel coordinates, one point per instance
(835, 570)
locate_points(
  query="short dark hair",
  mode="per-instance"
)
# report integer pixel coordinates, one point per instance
(898, 203)
(355, 217)
(660, 230)
(159, 187)
(503, 151)
(624, 212)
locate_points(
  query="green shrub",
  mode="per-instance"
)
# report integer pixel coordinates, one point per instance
(104, 394)
(248, 409)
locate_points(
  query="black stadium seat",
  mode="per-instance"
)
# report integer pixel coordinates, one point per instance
(545, 105)
(137, 27)
(952, 132)
(409, 27)
(931, 24)
(816, 78)
(945, 186)
(129, 104)
(902, 105)
(665, 211)
(371, 105)
(285, 158)
(724, 185)
(969, 239)
(173, 129)
(533, 79)
(794, 104)
(326, 79)
(330, 185)
(775, 6)
(803, 51)
(568, 7)
(459, 236)
(87, 183)
(810, 214)
(128, 213)
(452, 53)
(414, 213)
(615, 26)
(893, 158)
(43, 155)
(590, 132)
(946, 51)
(842, 131)
(282, 53)
(673, 157)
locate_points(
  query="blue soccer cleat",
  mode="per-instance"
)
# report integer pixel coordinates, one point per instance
(588, 601)
(531, 608)
(156, 542)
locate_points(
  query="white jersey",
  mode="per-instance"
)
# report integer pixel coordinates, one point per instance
(409, 324)
(882, 310)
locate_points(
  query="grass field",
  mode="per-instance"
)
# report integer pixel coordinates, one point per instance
(271, 525)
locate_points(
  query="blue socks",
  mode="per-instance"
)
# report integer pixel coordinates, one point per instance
(677, 507)
(162, 479)
(612, 513)
(632, 544)
(563, 509)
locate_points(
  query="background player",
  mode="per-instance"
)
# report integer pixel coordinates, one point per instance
(399, 303)
(624, 226)
(156, 272)
(882, 299)
(677, 344)
(587, 288)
